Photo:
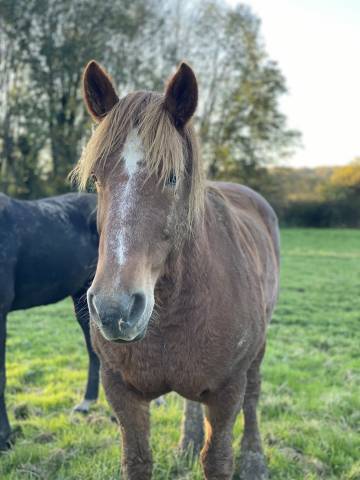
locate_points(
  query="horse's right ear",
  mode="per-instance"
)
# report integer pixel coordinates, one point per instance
(99, 93)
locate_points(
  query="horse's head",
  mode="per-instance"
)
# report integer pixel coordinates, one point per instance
(144, 160)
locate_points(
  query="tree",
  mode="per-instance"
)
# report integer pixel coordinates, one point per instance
(239, 120)
(45, 45)
(345, 181)
(51, 42)
(246, 130)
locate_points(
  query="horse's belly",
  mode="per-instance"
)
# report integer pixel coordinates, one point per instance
(194, 387)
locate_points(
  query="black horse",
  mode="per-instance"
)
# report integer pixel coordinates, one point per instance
(48, 251)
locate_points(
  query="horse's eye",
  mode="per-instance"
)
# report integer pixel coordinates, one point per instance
(94, 183)
(171, 180)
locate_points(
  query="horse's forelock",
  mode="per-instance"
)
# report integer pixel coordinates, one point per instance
(167, 151)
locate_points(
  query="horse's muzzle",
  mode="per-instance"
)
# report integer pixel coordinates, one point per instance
(120, 318)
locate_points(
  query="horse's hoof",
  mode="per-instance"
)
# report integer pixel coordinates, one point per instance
(189, 451)
(190, 446)
(253, 466)
(7, 441)
(160, 401)
(84, 406)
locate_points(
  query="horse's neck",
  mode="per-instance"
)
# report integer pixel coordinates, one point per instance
(183, 284)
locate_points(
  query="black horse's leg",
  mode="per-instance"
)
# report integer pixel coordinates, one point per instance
(5, 430)
(192, 431)
(92, 387)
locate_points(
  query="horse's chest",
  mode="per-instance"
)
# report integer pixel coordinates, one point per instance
(139, 364)
(160, 363)
(194, 360)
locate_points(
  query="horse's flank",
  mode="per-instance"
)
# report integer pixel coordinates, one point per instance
(48, 251)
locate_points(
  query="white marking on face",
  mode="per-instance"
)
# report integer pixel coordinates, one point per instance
(132, 152)
(132, 155)
(121, 251)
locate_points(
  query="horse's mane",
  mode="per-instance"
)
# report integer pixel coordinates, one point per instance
(167, 151)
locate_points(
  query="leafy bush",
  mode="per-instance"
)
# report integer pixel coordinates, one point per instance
(332, 213)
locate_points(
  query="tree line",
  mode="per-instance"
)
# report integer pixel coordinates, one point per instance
(316, 197)
(44, 45)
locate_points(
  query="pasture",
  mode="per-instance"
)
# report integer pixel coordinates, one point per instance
(310, 407)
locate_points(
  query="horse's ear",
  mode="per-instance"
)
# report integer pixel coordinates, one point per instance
(181, 95)
(99, 93)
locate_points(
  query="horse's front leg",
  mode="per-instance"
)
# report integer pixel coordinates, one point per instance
(6, 299)
(92, 386)
(221, 410)
(133, 415)
(5, 431)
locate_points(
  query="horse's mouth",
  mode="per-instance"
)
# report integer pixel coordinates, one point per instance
(118, 336)
(138, 338)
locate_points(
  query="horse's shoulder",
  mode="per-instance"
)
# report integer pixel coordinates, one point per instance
(248, 203)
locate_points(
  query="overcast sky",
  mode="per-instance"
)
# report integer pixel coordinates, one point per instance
(317, 45)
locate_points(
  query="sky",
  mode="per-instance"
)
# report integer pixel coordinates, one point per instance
(317, 46)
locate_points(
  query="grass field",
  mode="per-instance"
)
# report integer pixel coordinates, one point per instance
(310, 408)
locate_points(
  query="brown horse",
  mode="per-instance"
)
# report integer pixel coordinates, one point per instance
(187, 277)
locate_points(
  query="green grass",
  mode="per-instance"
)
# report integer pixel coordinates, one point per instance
(310, 408)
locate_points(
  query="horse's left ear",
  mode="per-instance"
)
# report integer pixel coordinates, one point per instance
(99, 92)
(181, 95)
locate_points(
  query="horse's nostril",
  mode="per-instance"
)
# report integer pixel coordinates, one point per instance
(137, 307)
(96, 313)
(121, 312)
(91, 304)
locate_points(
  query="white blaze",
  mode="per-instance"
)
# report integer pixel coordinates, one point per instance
(132, 155)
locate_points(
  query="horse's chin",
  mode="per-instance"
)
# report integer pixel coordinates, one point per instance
(120, 337)
(138, 338)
